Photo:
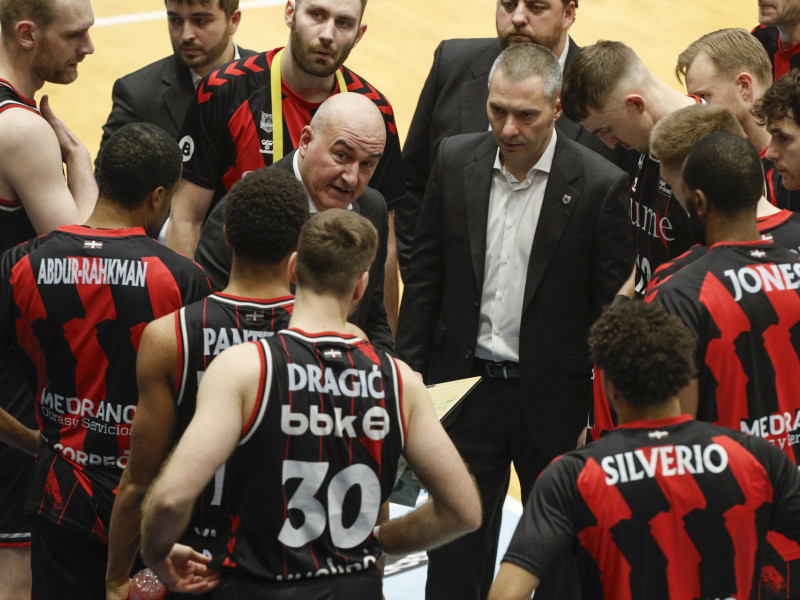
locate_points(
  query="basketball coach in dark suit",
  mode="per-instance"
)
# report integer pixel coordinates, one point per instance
(313, 170)
(523, 236)
(161, 92)
(453, 99)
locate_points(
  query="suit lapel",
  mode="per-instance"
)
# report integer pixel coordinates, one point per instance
(560, 198)
(477, 190)
(180, 91)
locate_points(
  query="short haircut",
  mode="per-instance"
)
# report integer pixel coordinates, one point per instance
(727, 168)
(363, 5)
(674, 136)
(781, 101)
(228, 6)
(593, 75)
(646, 352)
(732, 51)
(264, 212)
(336, 246)
(135, 160)
(522, 61)
(41, 12)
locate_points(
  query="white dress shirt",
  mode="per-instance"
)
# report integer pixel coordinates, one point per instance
(514, 208)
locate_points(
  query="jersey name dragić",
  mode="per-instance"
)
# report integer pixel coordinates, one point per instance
(77, 300)
(743, 302)
(316, 461)
(204, 329)
(661, 509)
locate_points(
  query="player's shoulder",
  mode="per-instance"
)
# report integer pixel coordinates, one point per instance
(768, 36)
(357, 84)
(466, 49)
(233, 82)
(175, 261)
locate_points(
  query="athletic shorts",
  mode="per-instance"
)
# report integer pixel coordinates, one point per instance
(16, 472)
(354, 586)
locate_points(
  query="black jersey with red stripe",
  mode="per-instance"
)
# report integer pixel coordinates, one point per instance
(315, 462)
(203, 330)
(777, 194)
(742, 301)
(660, 510)
(228, 130)
(15, 226)
(76, 300)
(783, 59)
(661, 225)
(782, 228)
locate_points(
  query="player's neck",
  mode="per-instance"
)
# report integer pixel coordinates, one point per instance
(765, 209)
(314, 313)
(631, 414)
(310, 88)
(663, 100)
(790, 34)
(758, 135)
(109, 215)
(258, 281)
(15, 70)
(734, 229)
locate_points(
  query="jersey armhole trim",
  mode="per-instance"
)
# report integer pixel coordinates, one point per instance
(183, 355)
(398, 393)
(263, 391)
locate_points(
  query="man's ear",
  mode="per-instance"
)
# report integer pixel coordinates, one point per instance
(27, 34)
(745, 82)
(233, 25)
(636, 101)
(292, 267)
(288, 13)
(362, 29)
(361, 288)
(306, 137)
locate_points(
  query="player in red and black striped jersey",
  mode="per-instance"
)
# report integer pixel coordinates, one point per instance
(263, 216)
(664, 506)
(233, 128)
(76, 301)
(314, 421)
(783, 51)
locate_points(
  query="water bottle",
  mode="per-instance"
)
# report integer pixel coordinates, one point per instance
(146, 586)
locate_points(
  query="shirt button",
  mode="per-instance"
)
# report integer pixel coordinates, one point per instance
(500, 297)
(497, 332)
(505, 261)
(510, 224)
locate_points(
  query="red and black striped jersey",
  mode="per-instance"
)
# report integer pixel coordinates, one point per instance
(228, 129)
(742, 301)
(661, 225)
(782, 228)
(76, 301)
(661, 509)
(315, 462)
(15, 226)
(203, 330)
(783, 59)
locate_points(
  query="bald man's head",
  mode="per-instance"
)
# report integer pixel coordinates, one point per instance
(340, 149)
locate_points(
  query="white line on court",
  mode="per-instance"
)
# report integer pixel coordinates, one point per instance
(160, 14)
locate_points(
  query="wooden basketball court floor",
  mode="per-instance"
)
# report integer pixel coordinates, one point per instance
(396, 52)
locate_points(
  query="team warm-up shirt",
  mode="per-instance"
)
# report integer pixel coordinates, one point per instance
(661, 225)
(783, 59)
(315, 462)
(229, 128)
(77, 300)
(15, 226)
(204, 329)
(666, 509)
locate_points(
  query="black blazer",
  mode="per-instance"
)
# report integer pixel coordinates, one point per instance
(453, 101)
(215, 256)
(582, 252)
(159, 93)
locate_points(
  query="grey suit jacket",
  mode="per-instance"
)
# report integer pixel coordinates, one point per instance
(453, 101)
(581, 253)
(215, 256)
(159, 93)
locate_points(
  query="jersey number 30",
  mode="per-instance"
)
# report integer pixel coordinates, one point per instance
(312, 476)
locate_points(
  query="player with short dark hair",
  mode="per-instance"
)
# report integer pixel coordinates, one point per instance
(76, 301)
(311, 422)
(263, 216)
(664, 506)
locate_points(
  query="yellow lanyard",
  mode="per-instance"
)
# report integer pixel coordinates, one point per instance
(277, 103)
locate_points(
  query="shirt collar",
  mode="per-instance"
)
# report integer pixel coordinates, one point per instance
(562, 59)
(236, 56)
(544, 164)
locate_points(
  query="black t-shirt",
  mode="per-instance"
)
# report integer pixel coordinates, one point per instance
(228, 130)
(76, 301)
(204, 329)
(662, 509)
(315, 462)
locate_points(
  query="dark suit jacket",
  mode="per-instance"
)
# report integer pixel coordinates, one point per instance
(582, 252)
(159, 93)
(453, 101)
(215, 256)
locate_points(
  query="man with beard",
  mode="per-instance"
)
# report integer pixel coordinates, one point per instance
(779, 33)
(201, 32)
(76, 302)
(453, 99)
(252, 113)
(42, 40)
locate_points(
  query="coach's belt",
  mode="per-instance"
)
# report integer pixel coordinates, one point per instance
(498, 370)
